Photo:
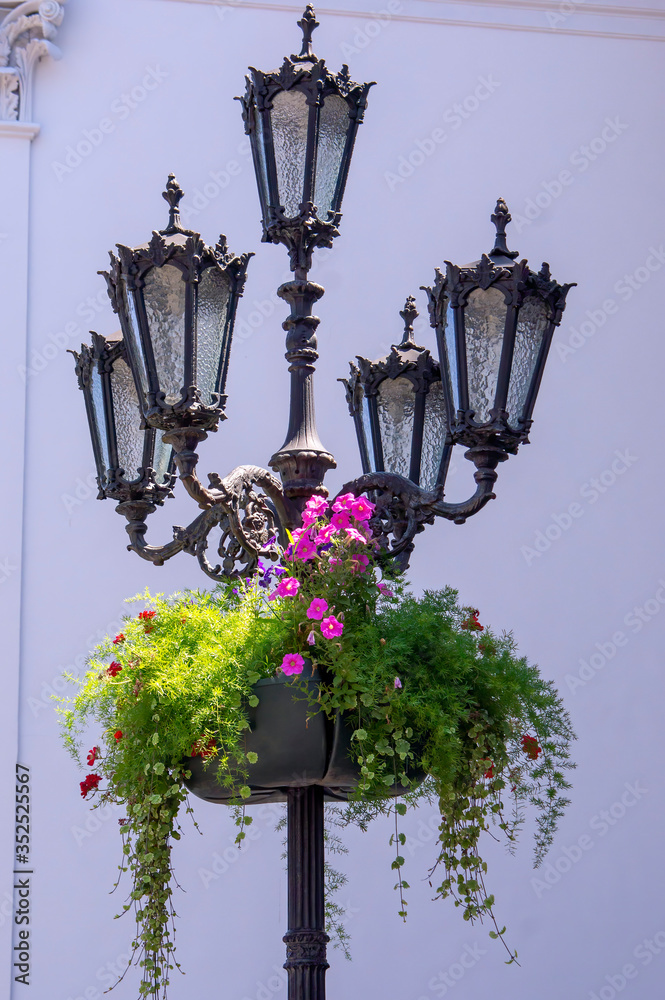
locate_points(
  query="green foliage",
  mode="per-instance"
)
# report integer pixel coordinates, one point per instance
(426, 690)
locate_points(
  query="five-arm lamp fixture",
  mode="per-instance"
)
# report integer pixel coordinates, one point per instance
(152, 397)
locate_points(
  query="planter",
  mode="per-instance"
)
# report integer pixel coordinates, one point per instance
(293, 751)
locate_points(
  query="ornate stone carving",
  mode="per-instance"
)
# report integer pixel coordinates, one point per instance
(26, 35)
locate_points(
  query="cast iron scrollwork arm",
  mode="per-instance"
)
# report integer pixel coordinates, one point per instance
(403, 509)
(250, 523)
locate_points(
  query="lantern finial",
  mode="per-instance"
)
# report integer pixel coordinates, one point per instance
(308, 24)
(173, 195)
(409, 314)
(501, 218)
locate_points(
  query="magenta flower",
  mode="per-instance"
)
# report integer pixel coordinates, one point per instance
(292, 663)
(317, 608)
(345, 502)
(300, 533)
(325, 534)
(356, 536)
(317, 505)
(308, 518)
(363, 509)
(311, 639)
(334, 561)
(386, 591)
(398, 683)
(342, 519)
(305, 549)
(288, 587)
(360, 563)
(331, 627)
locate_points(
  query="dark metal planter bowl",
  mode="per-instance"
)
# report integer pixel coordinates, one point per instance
(293, 751)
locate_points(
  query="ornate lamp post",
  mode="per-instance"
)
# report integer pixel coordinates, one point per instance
(176, 299)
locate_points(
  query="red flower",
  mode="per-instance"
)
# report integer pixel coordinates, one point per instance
(489, 773)
(204, 750)
(92, 756)
(113, 668)
(89, 783)
(472, 622)
(118, 639)
(117, 734)
(530, 747)
(147, 614)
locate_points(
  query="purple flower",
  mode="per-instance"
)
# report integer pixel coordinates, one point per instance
(398, 683)
(331, 627)
(381, 587)
(311, 638)
(360, 563)
(317, 608)
(292, 663)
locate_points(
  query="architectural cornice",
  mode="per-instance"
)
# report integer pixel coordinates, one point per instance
(549, 17)
(26, 36)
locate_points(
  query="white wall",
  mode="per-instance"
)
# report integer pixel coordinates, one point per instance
(553, 94)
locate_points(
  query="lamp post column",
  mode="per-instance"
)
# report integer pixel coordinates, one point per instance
(306, 938)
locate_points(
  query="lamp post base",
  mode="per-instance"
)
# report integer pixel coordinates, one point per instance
(306, 938)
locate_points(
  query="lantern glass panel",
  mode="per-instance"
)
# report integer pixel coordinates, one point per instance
(396, 399)
(532, 324)
(261, 157)
(129, 436)
(484, 323)
(333, 127)
(164, 295)
(98, 410)
(290, 118)
(213, 304)
(451, 355)
(162, 459)
(367, 430)
(434, 436)
(134, 338)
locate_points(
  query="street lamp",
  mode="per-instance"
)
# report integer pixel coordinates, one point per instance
(177, 298)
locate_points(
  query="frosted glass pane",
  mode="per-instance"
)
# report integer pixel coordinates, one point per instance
(129, 436)
(97, 400)
(367, 431)
(162, 458)
(451, 354)
(395, 405)
(134, 338)
(261, 151)
(434, 436)
(290, 115)
(164, 295)
(333, 126)
(214, 292)
(531, 327)
(484, 320)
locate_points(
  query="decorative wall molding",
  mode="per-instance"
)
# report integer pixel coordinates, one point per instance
(549, 17)
(26, 36)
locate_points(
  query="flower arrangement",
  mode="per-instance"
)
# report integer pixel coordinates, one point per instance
(422, 684)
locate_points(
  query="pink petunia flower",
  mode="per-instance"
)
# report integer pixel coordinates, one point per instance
(308, 518)
(334, 561)
(292, 663)
(331, 627)
(386, 591)
(345, 502)
(317, 608)
(325, 534)
(356, 536)
(363, 509)
(299, 533)
(288, 587)
(342, 519)
(360, 563)
(317, 505)
(305, 549)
